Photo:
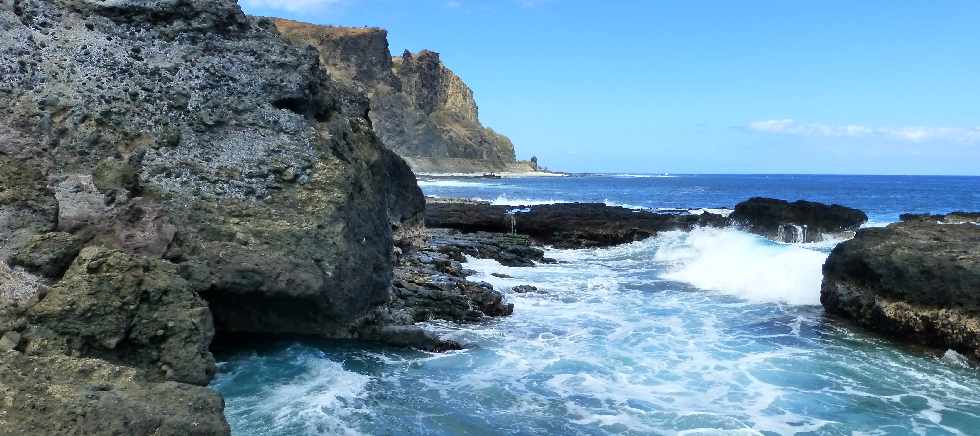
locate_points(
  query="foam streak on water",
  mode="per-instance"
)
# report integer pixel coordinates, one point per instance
(712, 331)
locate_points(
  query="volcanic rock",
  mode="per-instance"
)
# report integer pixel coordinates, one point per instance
(915, 280)
(799, 221)
(419, 107)
(563, 225)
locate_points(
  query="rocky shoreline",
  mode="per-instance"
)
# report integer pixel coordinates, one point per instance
(577, 225)
(916, 280)
(175, 171)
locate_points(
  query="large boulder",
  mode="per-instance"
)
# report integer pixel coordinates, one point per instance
(915, 280)
(48, 254)
(61, 395)
(189, 131)
(564, 225)
(799, 221)
(128, 309)
(214, 171)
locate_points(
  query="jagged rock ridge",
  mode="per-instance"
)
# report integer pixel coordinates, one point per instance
(419, 107)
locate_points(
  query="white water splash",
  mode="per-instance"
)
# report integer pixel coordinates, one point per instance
(456, 184)
(321, 400)
(744, 265)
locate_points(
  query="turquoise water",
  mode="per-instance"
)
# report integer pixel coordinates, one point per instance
(715, 331)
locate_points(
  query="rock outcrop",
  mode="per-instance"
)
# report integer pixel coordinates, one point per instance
(168, 169)
(799, 221)
(419, 107)
(566, 225)
(917, 280)
(61, 395)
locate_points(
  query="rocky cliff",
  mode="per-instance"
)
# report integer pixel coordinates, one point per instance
(419, 107)
(918, 280)
(172, 169)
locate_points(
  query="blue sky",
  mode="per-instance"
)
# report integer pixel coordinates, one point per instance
(844, 87)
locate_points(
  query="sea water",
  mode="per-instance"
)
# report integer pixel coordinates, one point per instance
(714, 331)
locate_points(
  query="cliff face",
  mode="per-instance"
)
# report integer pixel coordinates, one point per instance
(419, 108)
(168, 169)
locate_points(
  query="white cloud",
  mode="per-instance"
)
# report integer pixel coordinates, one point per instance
(911, 134)
(290, 5)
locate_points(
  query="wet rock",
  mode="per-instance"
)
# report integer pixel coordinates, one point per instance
(431, 284)
(508, 249)
(916, 280)
(523, 289)
(950, 218)
(567, 225)
(412, 336)
(799, 221)
(501, 275)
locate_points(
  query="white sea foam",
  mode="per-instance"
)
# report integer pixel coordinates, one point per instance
(610, 347)
(624, 205)
(456, 184)
(503, 200)
(744, 265)
(716, 211)
(321, 400)
(644, 176)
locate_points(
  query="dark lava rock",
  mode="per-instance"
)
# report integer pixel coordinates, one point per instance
(523, 289)
(950, 218)
(566, 225)
(430, 284)
(916, 280)
(508, 249)
(800, 221)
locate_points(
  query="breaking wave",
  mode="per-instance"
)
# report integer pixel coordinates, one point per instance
(295, 391)
(744, 265)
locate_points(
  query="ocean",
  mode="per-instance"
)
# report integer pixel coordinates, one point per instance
(715, 331)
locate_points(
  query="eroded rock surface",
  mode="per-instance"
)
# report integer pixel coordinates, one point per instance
(61, 395)
(197, 171)
(916, 280)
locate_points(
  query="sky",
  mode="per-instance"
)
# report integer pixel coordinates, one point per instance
(830, 87)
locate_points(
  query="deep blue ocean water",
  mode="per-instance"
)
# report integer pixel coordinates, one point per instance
(709, 332)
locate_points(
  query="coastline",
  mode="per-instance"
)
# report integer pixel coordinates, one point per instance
(503, 174)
